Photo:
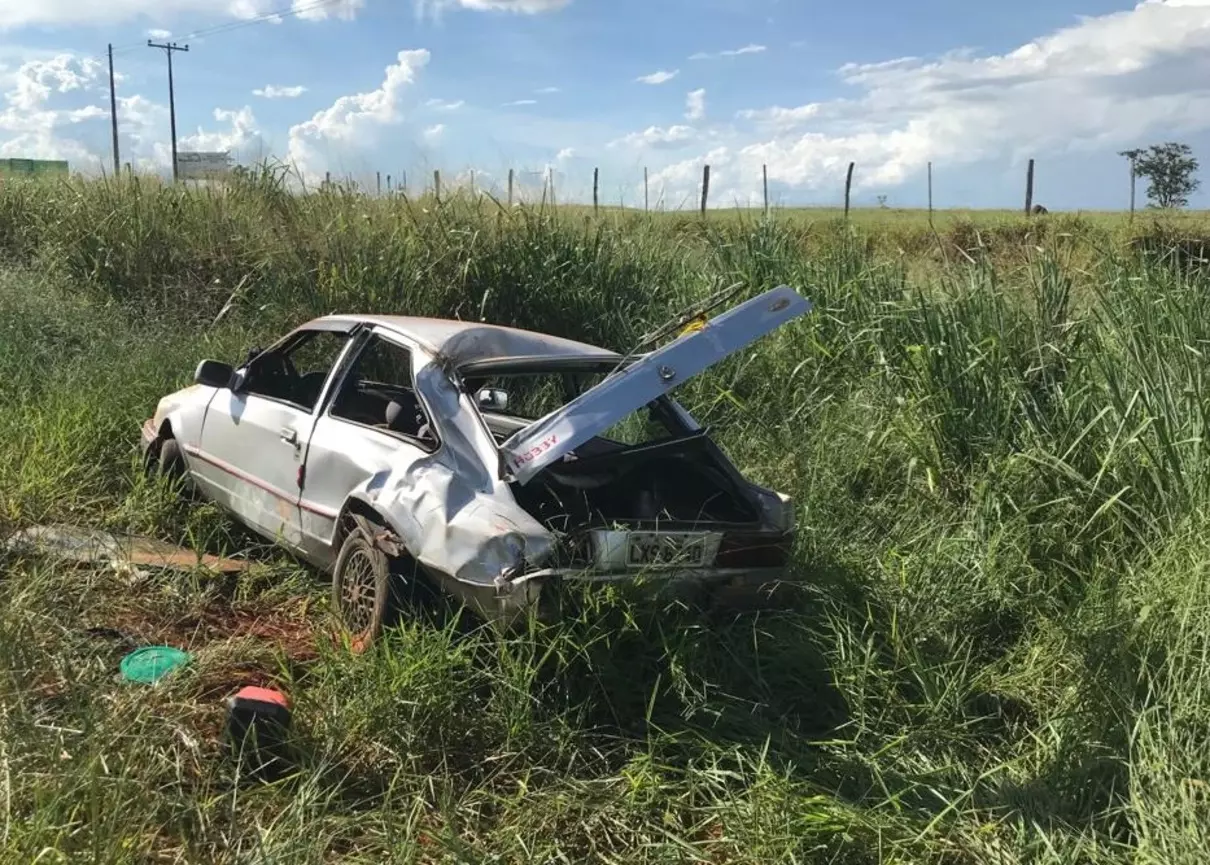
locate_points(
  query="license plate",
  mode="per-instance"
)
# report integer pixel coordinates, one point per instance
(663, 550)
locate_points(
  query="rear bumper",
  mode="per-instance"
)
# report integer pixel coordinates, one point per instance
(510, 601)
(707, 575)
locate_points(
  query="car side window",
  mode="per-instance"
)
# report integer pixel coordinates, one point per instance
(379, 392)
(296, 372)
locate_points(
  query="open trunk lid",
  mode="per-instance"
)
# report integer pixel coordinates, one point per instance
(531, 450)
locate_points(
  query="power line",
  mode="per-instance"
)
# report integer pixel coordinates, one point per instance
(287, 12)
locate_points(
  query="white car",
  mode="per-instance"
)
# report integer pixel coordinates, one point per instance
(492, 461)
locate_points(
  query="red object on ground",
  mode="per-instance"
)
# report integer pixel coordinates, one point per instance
(263, 695)
(258, 728)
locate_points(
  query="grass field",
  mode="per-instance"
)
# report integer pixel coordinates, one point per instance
(996, 434)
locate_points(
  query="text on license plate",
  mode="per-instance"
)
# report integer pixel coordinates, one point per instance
(661, 550)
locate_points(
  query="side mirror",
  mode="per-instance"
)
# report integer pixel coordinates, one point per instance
(493, 399)
(213, 373)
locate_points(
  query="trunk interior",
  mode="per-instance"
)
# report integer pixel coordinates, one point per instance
(677, 485)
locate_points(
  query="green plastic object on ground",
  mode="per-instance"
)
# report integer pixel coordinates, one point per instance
(151, 663)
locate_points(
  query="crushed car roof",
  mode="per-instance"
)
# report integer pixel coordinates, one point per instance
(466, 342)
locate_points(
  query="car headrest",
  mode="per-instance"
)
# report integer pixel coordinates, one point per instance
(395, 417)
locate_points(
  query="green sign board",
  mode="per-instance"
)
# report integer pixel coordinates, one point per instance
(33, 167)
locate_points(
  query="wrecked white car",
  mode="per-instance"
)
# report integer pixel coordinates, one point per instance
(495, 462)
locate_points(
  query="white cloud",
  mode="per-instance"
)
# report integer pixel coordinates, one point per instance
(434, 132)
(30, 127)
(242, 138)
(737, 52)
(272, 91)
(352, 122)
(443, 105)
(656, 137)
(14, 13)
(695, 105)
(1103, 83)
(565, 154)
(160, 34)
(56, 107)
(62, 73)
(520, 102)
(522, 7)
(313, 10)
(782, 118)
(141, 124)
(548, 90)
(661, 77)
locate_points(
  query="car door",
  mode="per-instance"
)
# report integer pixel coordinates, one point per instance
(374, 420)
(250, 452)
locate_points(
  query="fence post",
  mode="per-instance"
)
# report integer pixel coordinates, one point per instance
(378, 181)
(646, 192)
(327, 178)
(765, 173)
(510, 187)
(403, 184)
(550, 173)
(930, 193)
(388, 184)
(848, 189)
(705, 188)
(437, 183)
(1133, 183)
(596, 181)
(1029, 188)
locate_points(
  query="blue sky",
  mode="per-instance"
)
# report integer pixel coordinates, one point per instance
(356, 87)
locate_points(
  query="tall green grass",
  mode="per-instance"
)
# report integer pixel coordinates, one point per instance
(996, 651)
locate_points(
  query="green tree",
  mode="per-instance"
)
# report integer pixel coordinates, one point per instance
(1171, 169)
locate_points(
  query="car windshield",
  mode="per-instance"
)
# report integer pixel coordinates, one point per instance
(531, 395)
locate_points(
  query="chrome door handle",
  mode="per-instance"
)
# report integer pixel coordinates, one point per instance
(289, 436)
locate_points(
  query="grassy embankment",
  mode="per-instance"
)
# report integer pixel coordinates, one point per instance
(997, 436)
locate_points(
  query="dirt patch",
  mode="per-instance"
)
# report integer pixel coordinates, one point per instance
(281, 628)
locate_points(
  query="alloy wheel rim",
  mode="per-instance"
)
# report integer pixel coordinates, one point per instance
(358, 592)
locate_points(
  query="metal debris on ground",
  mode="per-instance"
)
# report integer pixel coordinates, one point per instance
(94, 546)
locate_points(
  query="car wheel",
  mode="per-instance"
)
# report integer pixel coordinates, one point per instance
(170, 463)
(361, 589)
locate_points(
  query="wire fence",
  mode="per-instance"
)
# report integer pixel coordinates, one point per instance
(547, 186)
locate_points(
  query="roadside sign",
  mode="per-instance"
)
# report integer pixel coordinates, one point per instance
(203, 165)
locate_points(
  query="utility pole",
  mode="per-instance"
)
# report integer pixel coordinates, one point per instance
(169, 47)
(113, 115)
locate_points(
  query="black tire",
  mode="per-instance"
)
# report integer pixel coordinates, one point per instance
(362, 594)
(170, 463)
